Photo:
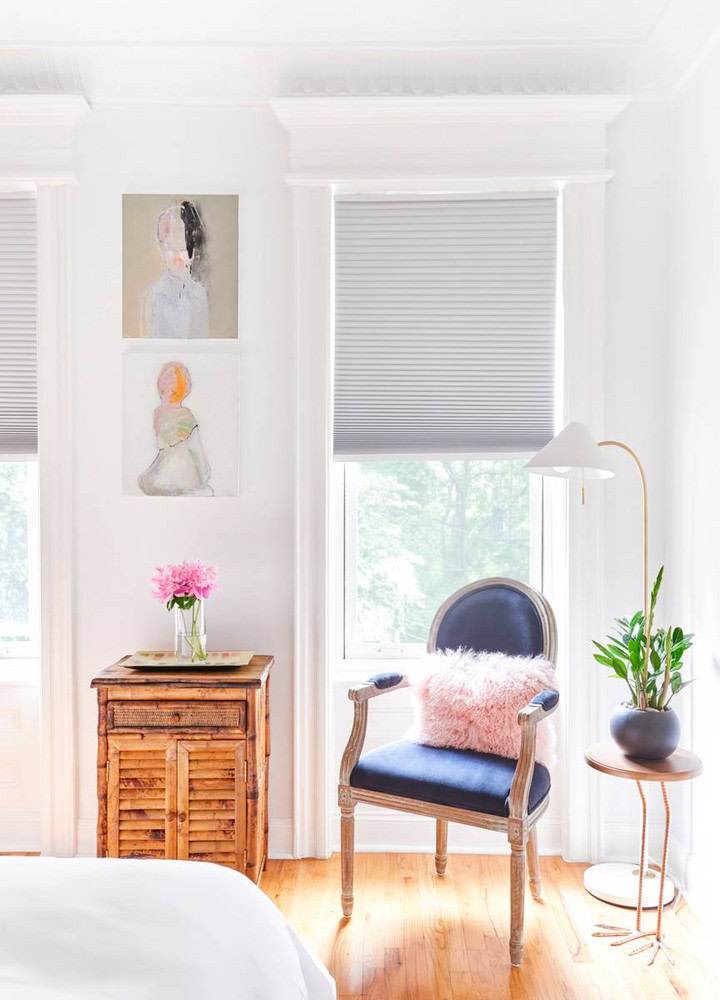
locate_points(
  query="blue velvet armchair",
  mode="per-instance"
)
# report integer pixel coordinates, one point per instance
(462, 786)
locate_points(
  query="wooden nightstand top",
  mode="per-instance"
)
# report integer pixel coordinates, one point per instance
(253, 675)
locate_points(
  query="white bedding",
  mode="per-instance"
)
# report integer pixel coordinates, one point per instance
(88, 929)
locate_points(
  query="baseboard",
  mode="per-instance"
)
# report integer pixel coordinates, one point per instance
(87, 837)
(19, 831)
(701, 894)
(678, 862)
(622, 843)
(280, 846)
(393, 832)
(379, 831)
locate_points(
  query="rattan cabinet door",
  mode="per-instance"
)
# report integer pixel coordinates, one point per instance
(212, 801)
(141, 797)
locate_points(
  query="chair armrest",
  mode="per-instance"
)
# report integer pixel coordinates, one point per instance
(378, 684)
(542, 705)
(360, 695)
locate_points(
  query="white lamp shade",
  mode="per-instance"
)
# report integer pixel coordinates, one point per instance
(572, 454)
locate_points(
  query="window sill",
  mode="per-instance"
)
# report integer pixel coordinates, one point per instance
(357, 671)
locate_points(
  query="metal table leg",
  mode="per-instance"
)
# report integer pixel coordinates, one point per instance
(626, 935)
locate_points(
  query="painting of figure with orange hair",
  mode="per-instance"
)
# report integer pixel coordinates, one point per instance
(180, 468)
(181, 423)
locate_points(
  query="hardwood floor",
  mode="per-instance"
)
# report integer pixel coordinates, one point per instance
(415, 936)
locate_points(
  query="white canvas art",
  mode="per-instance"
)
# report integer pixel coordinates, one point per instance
(181, 434)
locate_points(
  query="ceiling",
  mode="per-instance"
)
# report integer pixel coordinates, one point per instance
(336, 22)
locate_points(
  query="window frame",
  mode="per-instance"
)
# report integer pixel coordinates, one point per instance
(20, 653)
(352, 652)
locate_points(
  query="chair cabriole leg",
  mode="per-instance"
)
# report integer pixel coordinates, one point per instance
(534, 864)
(517, 900)
(347, 855)
(441, 833)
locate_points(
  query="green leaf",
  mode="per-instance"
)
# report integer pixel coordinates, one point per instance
(656, 589)
(618, 650)
(677, 688)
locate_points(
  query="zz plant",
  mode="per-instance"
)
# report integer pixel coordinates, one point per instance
(651, 669)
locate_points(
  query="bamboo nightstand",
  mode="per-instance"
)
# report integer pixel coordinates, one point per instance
(183, 764)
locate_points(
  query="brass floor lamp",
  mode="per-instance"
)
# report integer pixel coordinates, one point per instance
(575, 454)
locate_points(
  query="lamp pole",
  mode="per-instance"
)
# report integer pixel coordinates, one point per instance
(646, 590)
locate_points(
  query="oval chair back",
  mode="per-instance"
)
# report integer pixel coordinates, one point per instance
(497, 615)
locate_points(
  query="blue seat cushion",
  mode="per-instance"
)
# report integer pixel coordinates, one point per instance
(462, 779)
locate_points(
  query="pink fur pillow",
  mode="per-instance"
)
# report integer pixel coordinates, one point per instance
(470, 701)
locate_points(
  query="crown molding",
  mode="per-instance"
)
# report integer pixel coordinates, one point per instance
(65, 111)
(37, 137)
(235, 75)
(344, 112)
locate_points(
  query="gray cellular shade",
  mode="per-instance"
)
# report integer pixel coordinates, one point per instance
(444, 325)
(18, 327)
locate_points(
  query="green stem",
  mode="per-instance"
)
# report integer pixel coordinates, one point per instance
(668, 664)
(191, 636)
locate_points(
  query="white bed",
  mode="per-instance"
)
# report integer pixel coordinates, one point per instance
(82, 929)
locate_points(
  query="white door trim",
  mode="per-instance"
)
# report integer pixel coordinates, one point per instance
(312, 781)
(583, 258)
(55, 467)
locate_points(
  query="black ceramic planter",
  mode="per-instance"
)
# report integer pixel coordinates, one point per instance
(646, 735)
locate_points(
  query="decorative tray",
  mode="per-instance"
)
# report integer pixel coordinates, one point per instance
(151, 660)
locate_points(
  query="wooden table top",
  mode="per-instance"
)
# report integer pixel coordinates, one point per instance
(253, 675)
(609, 758)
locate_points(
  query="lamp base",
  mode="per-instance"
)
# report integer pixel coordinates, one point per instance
(618, 884)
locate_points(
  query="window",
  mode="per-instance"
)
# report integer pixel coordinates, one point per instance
(415, 531)
(445, 312)
(19, 569)
(18, 560)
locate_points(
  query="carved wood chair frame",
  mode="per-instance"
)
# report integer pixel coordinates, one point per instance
(519, 827)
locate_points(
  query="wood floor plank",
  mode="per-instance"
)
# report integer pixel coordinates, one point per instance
(416, 936)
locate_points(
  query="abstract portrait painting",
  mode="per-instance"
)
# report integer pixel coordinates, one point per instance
(180, 267)
(180, 425)
(180, 467)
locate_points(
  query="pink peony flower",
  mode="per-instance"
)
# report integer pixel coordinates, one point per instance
(184, 579)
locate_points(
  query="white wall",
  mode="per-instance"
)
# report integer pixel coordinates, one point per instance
(249, 538)
(694, 424)
(635, 410)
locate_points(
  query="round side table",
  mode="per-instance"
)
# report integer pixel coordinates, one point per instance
(611, 882)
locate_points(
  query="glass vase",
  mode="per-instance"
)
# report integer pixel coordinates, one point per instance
(190, 636)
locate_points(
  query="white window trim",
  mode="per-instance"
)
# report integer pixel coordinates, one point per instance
(37, 133)
(489, 146)
(356, 656)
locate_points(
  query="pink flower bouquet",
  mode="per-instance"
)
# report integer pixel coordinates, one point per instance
(184, 587)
